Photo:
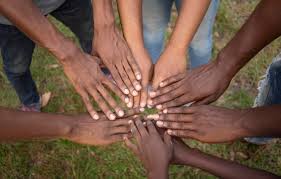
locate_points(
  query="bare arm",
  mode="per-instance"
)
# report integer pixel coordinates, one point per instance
(174, 55)
(26, 16)
(221, 124)
(211, 80)
(216, 166)
(111, 46)
(262, 27)
(188, 21)
(17, 125)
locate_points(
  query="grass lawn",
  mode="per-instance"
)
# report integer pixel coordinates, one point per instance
(63, 159)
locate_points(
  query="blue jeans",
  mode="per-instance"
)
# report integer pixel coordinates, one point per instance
(269, 93)
(17, 49)
(156, 16)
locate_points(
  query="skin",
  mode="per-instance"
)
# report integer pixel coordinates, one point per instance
(110, 45)
(207, 83)
(216, 124)
(156, 154)
(131, 18)
(183, 155)
(174, 56)
(82, 69)
(17, 125)
(156, 163)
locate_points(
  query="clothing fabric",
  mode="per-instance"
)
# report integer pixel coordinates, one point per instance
(156, 16)
(46, 6)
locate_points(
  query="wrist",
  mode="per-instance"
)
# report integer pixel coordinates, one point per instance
(65, 125)
(227, 63)
(65, 50)
(161, 173)
(70, 124)
(177, 50)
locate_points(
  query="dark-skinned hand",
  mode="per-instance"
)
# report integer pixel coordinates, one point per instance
(201, 85)
(115, 54)
(204, 123)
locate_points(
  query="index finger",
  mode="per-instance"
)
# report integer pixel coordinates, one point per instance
(172, 79)
(135, 67)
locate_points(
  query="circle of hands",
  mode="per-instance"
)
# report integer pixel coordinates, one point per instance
(167, 87)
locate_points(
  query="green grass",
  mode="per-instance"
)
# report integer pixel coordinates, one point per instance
(63, 159)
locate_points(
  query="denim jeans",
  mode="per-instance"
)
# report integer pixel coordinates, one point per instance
(156, 16)
(269, 92)
(17, 49)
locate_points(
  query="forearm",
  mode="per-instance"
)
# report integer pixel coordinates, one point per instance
(190, 16)
(261, 28)
(103, 14)
(26, 16)
(220, 167)
(131, 19)
(16, 125)
(163, 174)
(261, 121)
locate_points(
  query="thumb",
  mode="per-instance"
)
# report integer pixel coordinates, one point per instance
(155, 82)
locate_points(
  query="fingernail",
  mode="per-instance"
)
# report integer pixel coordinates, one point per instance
(144, 123)
(169, 131)
(138, 87)
(161, 84)
(121, 113)
(150, 102)
(159, 123)
(189, 104)
(135, 116)
(142, 104)
(141, 109)
(112, 117)
(138, 76)
(130, 105)
(159, 106)
(152, 94)
(96, 117)
(127, 99)
(130, 122)
(165, 111)
(126, 91)
(153, 116)
(149, 106)
(134, 93)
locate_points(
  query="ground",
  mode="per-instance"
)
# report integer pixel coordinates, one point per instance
(63, 159)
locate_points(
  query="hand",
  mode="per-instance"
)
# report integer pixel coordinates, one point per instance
(205, 123)
(101, 132)
(202, 85)
(170, 63)
(87, 78)
(146, 67)
(154, 152)
(110, 45)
